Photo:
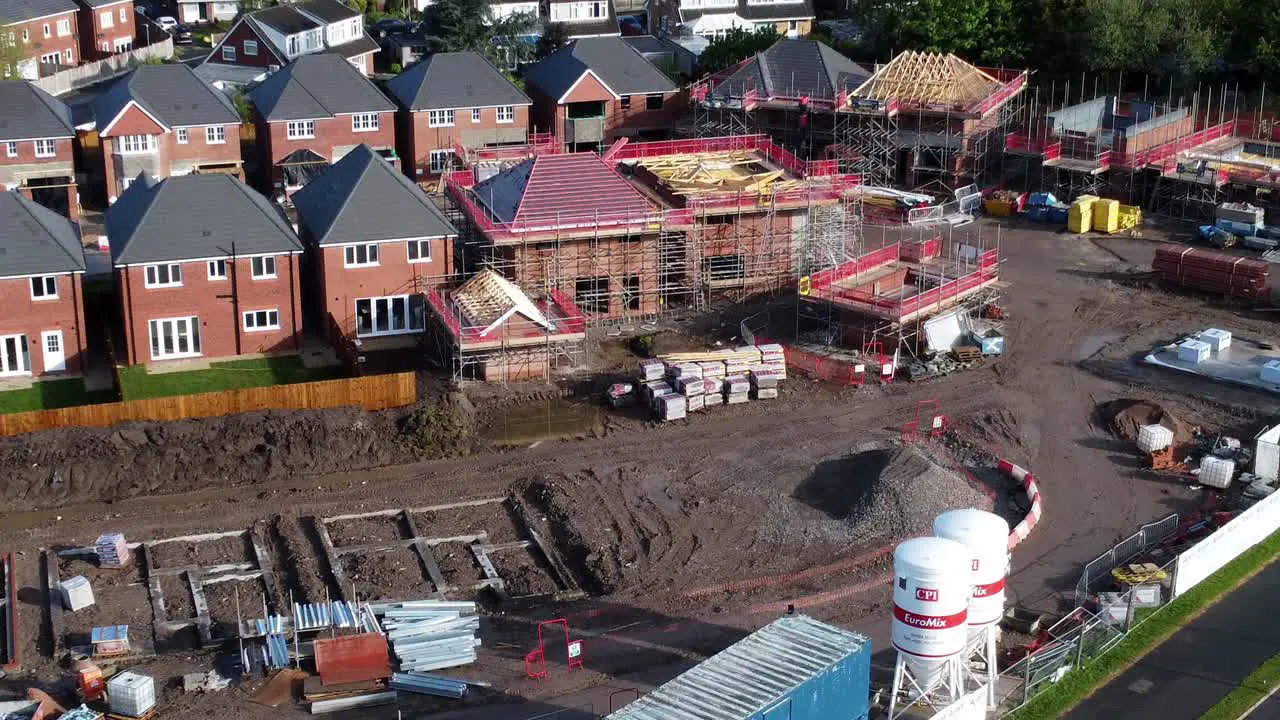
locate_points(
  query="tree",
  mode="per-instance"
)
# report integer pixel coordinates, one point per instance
(462, 25)
(735, 46)
(987, 31)
(12, 53)
(554, 37)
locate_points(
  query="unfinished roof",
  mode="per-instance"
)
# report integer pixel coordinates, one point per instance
(36, 239)
(453, 80)
(27, 113)
(561, 189)
(317, 86)
(618, 65)
(743, 680)
(726, 171)
(488, 299)
(794, 69)
(929, 79)
(362, 198)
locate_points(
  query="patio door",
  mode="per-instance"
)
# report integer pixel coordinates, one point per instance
(175, 338)
(55, 356)
(15, 357)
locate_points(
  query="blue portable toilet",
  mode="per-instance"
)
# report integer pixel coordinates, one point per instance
(794, 668)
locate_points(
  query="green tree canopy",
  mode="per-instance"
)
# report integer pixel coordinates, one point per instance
(462, 25)
(736, 46)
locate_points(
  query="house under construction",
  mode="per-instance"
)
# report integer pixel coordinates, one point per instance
(649, 228)
(919, 120)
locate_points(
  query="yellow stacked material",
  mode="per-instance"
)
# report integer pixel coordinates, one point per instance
(1080, 216)
(1106, 215)
(998, 207)
(1130, 216)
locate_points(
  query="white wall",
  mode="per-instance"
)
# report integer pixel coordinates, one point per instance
(1247, 529)
(1266, 454)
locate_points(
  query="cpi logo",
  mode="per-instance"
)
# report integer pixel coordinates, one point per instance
(926, 595)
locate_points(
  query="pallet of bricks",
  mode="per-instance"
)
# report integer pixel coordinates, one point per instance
(677, 384)
(1212, 271)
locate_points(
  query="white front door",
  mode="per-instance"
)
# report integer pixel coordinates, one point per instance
(15, 358)
(55, 356)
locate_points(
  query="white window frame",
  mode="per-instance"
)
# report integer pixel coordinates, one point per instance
(475, 115)
(351, 255)
(11, 149)
(46, 148)
(438, 167)
(192, 332)
(440, 118)
(135, 144)
(47, 33)
(300, 129)
(151, 275)
(215, 135)
(217, 270)
(122, 45)
(70, 57)
(293, 45)
(270, 320)
(228, 53)
(506, 113)
(258, 267)
(51, 58)
(364, 122)
(418, 246)
(124, 15)
(26, 36)
(64, 28)
(107, 20)
(250, 48)
(181, 134)
(24, 356)
(47, 285)
(390, 301)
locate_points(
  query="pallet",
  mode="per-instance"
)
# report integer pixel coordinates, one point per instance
(148, 715)
(967, 353)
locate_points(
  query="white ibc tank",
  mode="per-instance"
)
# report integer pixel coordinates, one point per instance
(930, 603)
(986, 535)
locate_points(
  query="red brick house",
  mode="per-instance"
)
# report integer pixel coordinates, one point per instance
(204, 267)
(162, 120)
(450, 101)
(311, 113)
(375, 243)
(46, 33)
(41, 265)
(106, 28)
(595, 90)
(264, 41)
(36, 147)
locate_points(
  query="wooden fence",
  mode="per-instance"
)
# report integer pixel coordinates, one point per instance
(372, 392)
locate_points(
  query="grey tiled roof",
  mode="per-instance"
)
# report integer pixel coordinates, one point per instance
(317, 86)
(362, 198)
(27, 112)
(453, 80)
(173, 94)
(791, 68)
(646, 44)
(285, 18)
(194, 216)
(12, 11)
(620, 66)
(359, 46)
(757, 13)
(36, 239)
(329, 11)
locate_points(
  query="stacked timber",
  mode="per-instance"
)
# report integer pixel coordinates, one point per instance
(1212, 272)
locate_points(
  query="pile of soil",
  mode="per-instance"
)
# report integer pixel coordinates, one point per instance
(901, 491)
(1124, 417)
(79, 465)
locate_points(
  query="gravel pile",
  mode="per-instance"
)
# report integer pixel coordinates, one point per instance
(903, 490)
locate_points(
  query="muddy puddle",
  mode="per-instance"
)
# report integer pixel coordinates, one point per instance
(555, 419)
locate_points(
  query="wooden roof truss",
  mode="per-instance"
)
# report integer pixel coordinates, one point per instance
(930, 79)
(731, 171)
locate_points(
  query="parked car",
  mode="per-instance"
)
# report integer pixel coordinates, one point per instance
(167, 23)
(182, 34)
(630, 25)
(389, 26)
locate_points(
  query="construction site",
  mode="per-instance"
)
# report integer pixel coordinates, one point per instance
(563, 527)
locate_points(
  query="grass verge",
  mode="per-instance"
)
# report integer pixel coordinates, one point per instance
(137, 384)
(1082, 682)
(1249, 693)
(51, 395)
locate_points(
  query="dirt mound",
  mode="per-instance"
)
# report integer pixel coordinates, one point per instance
(1124, 417)
(900, 491)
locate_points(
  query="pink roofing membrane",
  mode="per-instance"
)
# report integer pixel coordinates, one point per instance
(571, 189)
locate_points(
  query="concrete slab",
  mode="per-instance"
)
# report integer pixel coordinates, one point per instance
(1240, 363)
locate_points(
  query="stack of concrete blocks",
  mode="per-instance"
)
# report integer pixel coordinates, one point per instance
(670, 407)
(651, 370)
(737, 389)
(686, 378)
(112, 550)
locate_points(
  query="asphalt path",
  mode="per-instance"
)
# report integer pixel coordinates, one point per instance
(1191, 671)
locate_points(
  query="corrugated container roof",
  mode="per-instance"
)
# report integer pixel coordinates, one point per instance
(749, 675)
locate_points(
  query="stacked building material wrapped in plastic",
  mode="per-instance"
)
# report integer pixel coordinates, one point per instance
(112, 550)
(651, 370)
(427, 684)
(322, 615)
(737, 389)
(670, 407)
(429, 634)
(1212, 271)
(764, 385)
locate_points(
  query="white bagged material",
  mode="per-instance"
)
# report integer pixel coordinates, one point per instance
(736, 398)
(736, 384)
(77, 593)
(712, 370)
(696, 402)
(690, 387)
(1218, 340)
(671, 407)
(1193, 351)
(651, 370)
(654, 388)
(766, 393)
(1154, 437)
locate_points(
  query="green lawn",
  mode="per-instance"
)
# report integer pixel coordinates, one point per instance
(1082, 682)
(137, 384)
(1252, 690)
(50, 395)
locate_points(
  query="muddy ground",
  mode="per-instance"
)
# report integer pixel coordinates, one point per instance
(699, 534)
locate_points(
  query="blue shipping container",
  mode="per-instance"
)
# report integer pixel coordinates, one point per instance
(794, 668)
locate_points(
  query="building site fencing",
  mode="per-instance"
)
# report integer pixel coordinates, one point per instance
(1147, 537)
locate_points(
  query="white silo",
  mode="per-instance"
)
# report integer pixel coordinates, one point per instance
(986, 536)
(930, 620)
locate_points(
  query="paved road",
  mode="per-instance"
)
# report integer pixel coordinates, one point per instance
(1199, 665)
(1269, 710)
